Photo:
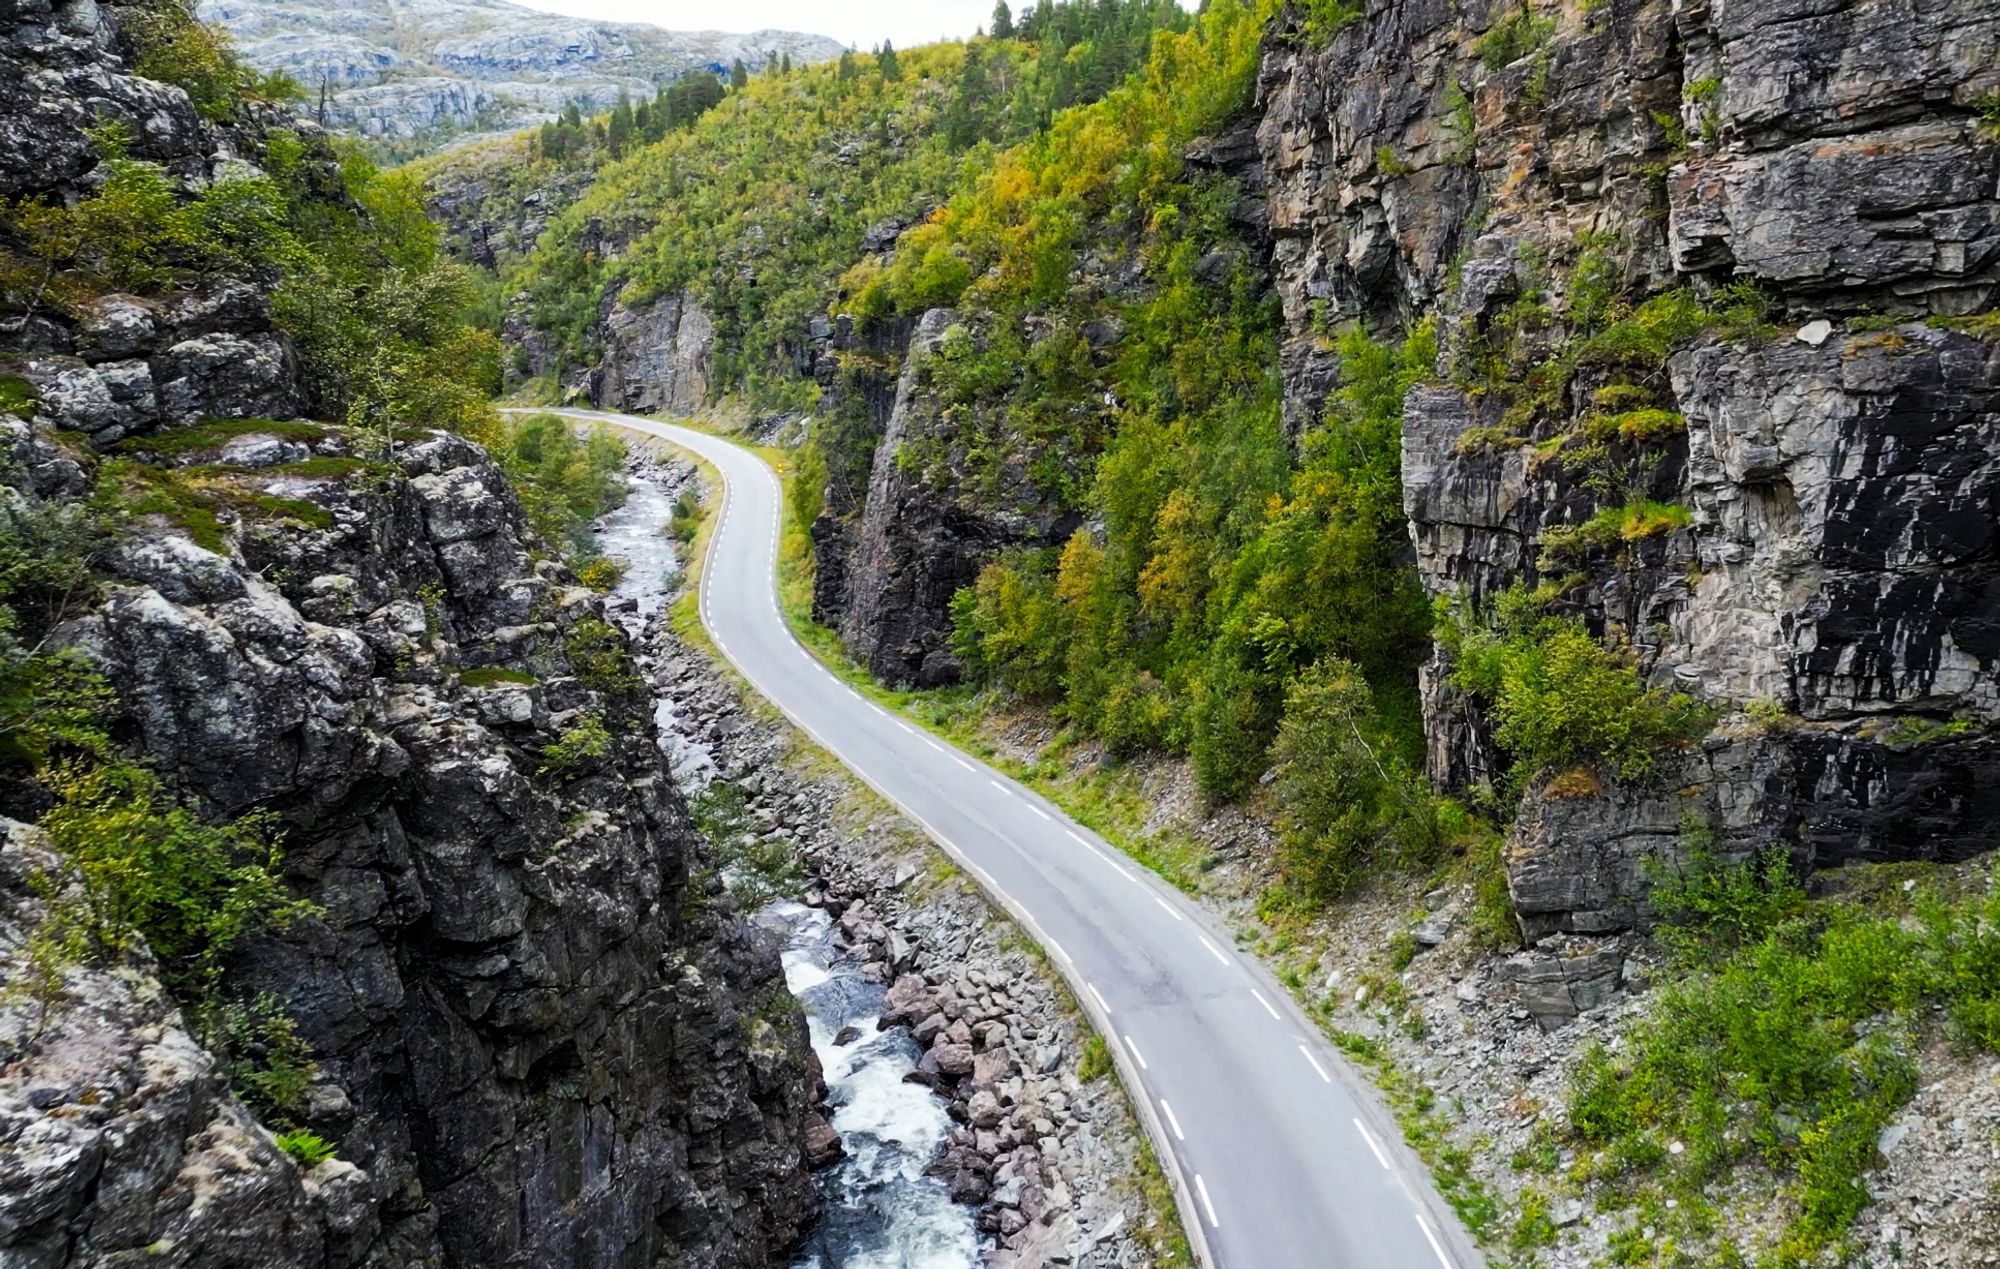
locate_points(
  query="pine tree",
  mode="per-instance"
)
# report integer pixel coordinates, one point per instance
(739, 75)
(847, 68)
(885, 60)
(619, 132)
(1003, 21)
(785, 64)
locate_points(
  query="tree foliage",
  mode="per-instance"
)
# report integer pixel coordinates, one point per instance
(758, 206)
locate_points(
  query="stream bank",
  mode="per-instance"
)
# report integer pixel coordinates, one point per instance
(954, 1059)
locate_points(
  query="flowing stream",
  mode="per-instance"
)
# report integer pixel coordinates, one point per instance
(882, 1212)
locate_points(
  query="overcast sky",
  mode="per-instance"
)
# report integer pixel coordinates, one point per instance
(862, 23)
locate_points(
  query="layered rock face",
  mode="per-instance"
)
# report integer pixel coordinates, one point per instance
(537, 1043)
(1833, 592)
(541, 1037)
(655, 356)
(390, 72)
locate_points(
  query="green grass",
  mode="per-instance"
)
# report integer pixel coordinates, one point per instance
(196, 500)
(496, 676)
(17, 395)
(1609, 528)
(215, 433)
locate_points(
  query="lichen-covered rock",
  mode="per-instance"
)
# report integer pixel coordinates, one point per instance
(120, 1140)
(538, 1041)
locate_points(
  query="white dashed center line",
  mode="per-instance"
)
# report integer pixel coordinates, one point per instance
(1373, 1144)
(1167, 908)
(1102, 1003)
(1267, 1004)
(1213, 950)
(1172, 1123)
(1137, 1056)
(1317, 1068)
(1201, 1187)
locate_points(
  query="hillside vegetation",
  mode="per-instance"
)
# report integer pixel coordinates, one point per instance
(759, 207)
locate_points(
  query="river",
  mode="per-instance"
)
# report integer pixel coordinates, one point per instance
(882, 1212)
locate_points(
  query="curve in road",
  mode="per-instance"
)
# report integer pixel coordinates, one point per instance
(1281, 1157)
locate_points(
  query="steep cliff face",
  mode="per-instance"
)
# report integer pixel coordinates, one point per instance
(539, 1039)
(1833, 573)
(655, 357)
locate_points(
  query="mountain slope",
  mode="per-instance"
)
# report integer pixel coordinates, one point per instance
(411, 76)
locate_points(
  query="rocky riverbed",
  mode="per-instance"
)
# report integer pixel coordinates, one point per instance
(1037, 1162)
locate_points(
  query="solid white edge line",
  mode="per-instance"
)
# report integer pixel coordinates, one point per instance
(1317, 1068)
(1213, 950)
(1173, 1122)
(1433, 1238)
(1201, 1187)
(1137, 1056)
(1267, 1004)
(1376, 1146)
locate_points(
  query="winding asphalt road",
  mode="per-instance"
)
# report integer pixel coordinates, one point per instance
(1281, 1157)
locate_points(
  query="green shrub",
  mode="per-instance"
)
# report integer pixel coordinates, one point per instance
(308, 1149)
(1559, 697)
(1009, 629)
(565, 480)
(601, 574)
(1793, 1043)
(269, 1063)
(755, 869)
(172, 46)
(146, 867)
(1708, 909)
(1325, 19)
(582, 743)
(686, 520)
(600, 656)
(1514, 37)
(1095, 1063)
(1348, 800)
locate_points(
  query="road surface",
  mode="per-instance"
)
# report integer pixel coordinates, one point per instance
(1281, 1157)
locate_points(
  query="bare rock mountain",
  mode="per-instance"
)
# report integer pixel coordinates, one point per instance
(432, 70)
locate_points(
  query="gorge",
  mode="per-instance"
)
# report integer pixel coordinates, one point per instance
(1482, 514)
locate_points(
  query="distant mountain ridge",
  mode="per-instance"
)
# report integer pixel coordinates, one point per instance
(413, 75)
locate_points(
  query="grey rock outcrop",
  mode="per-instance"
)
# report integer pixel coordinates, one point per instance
(538, 1041)
(1835, 575)
(463, 66)
(122, 1138)
(656, 356)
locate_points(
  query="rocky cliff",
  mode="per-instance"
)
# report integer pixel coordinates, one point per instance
(538, 1037)
(1828, 584)
(390, 73)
